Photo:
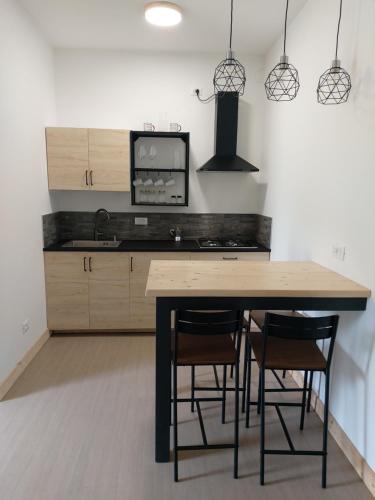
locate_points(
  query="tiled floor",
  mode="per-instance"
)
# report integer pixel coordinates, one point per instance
(79, 424)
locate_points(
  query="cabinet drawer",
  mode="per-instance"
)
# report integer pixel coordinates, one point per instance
(230, 256)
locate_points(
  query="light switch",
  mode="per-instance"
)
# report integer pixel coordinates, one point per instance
(141, 221)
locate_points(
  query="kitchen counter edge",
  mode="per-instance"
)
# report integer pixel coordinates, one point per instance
(151, 246)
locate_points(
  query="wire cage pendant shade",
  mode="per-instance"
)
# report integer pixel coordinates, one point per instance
(282, 83)
(230, 75)
(334, 84)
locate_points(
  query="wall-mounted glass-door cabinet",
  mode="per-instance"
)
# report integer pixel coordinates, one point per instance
(159, 168)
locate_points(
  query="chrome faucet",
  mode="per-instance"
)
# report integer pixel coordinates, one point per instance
(97, 216)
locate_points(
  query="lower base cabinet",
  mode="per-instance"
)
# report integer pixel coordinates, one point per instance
(106, 290)
(142, 309)
(87, 291)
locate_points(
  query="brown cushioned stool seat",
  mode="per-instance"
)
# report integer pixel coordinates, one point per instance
(205, 350)
(286, 354)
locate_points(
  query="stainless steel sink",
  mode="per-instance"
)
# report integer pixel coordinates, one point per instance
(92, 244)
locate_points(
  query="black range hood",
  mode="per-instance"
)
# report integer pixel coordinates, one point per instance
(226, 122)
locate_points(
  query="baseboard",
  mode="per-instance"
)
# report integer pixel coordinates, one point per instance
(7, 383)
(359, 463)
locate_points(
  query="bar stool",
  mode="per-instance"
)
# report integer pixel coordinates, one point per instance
(289, 343)
(258, 317)
(203, 339)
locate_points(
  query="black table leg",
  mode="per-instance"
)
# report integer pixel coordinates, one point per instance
(163, 380)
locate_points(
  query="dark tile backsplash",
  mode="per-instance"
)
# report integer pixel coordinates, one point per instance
(80, 225)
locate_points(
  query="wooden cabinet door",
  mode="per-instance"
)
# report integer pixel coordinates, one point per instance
(142, 309)
(108, 290)
(67, 290)
(67, 158)
(109, 160)
(230, 256)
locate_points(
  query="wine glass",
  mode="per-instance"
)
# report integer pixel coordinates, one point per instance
(142, 153)
(152, 154)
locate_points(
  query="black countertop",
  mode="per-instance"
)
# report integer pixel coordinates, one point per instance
(151, 246)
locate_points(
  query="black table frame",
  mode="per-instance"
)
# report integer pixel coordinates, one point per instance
(164, 307)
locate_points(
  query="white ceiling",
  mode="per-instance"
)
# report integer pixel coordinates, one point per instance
(120, 24)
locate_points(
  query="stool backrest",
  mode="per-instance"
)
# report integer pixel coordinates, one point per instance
(210, 323)
(301, 328)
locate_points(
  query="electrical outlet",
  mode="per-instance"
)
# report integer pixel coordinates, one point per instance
(194, 92)
(141, 221)
(339, 251)
(25, 326)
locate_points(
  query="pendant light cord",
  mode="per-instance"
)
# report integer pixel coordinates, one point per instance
(286, 19)
(338, 30)
(231, 24)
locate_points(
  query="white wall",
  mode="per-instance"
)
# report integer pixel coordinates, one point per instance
(26, 105)
(118, 89)
(319, 178)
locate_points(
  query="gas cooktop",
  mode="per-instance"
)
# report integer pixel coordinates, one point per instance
(230, 243)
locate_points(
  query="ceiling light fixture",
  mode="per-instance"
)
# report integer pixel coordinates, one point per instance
(282, 83)
(163, 13)
(230, 74)
(334, 84)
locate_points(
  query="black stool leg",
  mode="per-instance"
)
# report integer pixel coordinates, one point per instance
(325, 431)
(244, 377)
(192, 387)
(302, 421)
(284, 373)
(236, 419)
(248, 384)
(175, 437)
(262, 424)
(309, 392)
(259, 391)
(224, 394)
(170, 397)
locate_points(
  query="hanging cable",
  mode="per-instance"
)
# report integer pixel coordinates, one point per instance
(285, 23)
(338, 30)
(231, 25)
(208, 99)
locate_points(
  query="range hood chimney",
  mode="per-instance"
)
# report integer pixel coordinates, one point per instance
(226, 122)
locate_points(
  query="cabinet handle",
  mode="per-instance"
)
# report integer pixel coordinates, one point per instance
(90, 268)
(87, 180)
(84, 264)
(91, 181)
(230, 258)
(131, 264)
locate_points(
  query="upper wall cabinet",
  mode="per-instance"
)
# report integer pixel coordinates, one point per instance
(88, 159)
(109, 160)
(67, 158)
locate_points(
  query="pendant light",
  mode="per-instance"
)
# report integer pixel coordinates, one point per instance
(334, 85)
(230, 74)
(282, 83)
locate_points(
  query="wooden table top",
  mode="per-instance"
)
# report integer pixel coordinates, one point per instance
(248, 279)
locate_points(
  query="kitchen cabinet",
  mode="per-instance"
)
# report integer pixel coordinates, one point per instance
(87, 290)
(106, 290)
(142, 309)
(108, 275)
(88, 159)
(67, 158)
(162, 157)
(109, 160)
(230, 256)
(67, 290)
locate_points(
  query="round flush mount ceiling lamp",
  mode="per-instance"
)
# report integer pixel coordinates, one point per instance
(282, 83)
(230, 74)
(334, 84)
(163, 13)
